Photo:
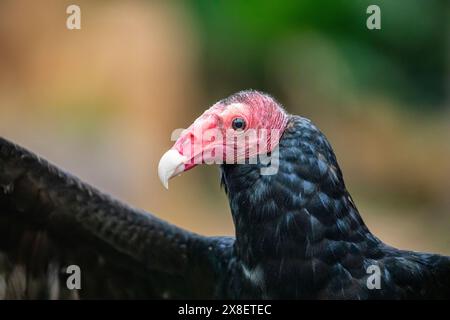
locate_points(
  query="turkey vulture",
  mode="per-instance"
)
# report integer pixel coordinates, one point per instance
(298, 231)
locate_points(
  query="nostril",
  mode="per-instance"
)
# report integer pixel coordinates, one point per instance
(194, 138)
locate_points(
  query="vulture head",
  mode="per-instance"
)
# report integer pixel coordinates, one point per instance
(237, 130)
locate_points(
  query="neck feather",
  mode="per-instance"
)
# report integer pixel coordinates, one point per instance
(302, 210)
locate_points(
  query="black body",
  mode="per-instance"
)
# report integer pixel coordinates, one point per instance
(299, 234)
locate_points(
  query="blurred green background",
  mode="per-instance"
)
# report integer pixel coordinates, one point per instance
(101, 102)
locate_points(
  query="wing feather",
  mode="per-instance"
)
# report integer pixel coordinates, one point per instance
(49, 220)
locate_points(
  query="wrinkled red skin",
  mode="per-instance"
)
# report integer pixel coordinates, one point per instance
(211, 138)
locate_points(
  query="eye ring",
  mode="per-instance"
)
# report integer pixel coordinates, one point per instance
(238, 124)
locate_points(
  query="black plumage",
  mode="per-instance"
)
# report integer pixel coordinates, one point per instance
(50, 220)
(298, 235)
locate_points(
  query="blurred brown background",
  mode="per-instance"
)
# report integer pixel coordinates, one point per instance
(101, 102)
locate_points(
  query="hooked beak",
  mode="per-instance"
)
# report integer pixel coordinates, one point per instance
(170, 165)
(188, 151)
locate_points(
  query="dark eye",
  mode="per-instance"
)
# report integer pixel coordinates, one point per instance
(238, 124)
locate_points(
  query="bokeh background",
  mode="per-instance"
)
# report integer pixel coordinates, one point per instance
(101, 102)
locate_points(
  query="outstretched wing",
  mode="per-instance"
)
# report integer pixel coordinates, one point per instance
(50, 220)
